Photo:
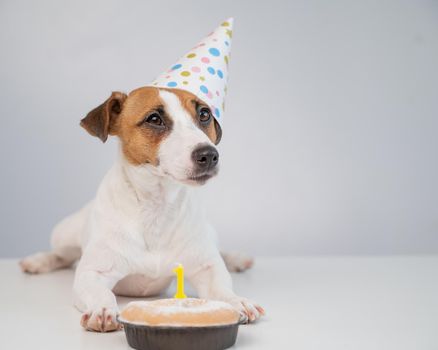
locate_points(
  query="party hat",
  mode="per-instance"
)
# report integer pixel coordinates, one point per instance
(203, 70)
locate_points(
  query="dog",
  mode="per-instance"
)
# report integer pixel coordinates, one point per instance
(145, 217)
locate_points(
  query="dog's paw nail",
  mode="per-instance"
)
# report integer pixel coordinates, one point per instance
(84, 320)
(248, 263)
(260, 309)
(103, 320)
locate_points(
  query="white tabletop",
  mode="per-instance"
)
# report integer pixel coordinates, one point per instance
(311, 303)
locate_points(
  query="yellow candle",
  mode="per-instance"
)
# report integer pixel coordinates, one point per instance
(179, 270)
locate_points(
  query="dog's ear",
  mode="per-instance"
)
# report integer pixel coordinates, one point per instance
(100, 121)
(218, 130)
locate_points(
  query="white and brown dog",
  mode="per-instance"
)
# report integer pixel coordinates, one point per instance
(145, 218)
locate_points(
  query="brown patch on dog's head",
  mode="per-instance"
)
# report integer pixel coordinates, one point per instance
(125, 117)
(193, 105)
(140, 141)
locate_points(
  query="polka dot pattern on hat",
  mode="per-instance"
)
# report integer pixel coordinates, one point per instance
(214, 52)
(204, 69)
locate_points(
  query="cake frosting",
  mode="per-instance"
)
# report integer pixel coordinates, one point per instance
(179, 312)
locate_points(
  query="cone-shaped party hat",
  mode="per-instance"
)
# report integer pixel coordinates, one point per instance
(203, 70)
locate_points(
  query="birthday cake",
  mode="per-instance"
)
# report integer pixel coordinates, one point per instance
(181, 324)
(189, 312)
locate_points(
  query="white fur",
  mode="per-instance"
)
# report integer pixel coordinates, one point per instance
(140, 225)
(175, 152)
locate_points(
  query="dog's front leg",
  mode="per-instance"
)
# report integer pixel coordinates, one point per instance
(92, 288)
(213, 281)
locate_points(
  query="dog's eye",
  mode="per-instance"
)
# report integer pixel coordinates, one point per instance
(204, 115)
(154, 119)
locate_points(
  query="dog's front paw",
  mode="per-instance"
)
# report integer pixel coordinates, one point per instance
(102, 320)
(249, 311)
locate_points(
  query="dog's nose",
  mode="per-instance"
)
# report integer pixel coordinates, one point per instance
(205, 157)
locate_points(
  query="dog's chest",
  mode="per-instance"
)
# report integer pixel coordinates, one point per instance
(156, 224)
(156, 247)
(159, 229)
(160, 219)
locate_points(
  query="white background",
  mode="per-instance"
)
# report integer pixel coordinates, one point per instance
(330, 138)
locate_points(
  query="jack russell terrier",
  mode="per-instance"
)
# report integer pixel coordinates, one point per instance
(145, 218)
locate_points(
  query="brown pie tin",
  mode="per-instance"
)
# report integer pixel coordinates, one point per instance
(144, 337)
